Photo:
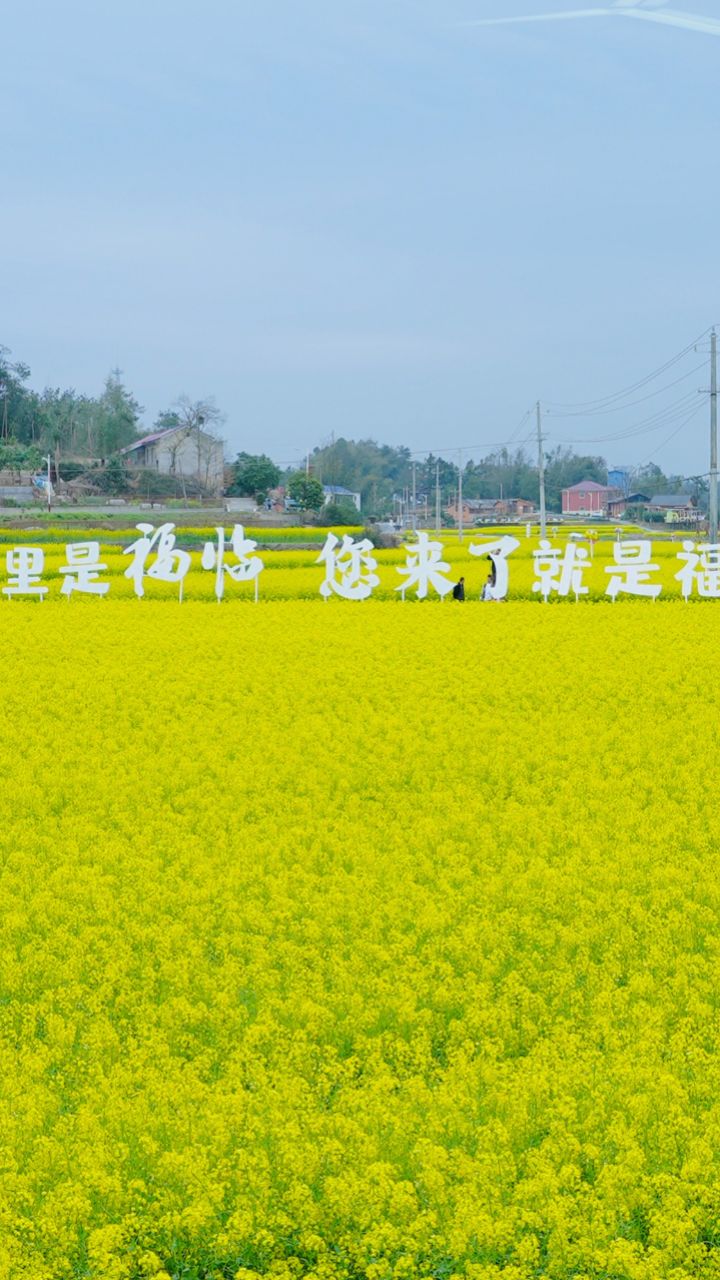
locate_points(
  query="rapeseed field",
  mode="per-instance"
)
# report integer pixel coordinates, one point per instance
(360, 942)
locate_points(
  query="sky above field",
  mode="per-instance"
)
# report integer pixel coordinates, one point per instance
(372, 218)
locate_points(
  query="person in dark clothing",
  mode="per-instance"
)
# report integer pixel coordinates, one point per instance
(459, 590)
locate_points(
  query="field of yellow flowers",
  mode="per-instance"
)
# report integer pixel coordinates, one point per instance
(359, 943)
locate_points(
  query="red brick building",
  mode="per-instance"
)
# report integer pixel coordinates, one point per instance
(587, 498)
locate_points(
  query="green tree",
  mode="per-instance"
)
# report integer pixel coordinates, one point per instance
(339, 513)
(167, 420)
(433, 468)
(114, 479)
(374, 471)
(564, 468)
(118, 416)
(18, 405)
(65, 424)
(306, 490)
(254, 475)
(650, 479)
(505, 472)
(19, 457)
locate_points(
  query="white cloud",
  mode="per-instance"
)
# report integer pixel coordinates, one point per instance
(623, 9)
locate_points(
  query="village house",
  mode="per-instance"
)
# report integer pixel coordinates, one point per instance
(618, 506)
(588, 498)
(336, 493)
(677, 508)
(489, 510)
(184, 452)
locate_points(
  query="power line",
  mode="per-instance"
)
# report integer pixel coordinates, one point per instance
(636, 386)
(659, 448)
(668, 415)
(654, 422)
(630, 404)
(525, 418)
(471, 448)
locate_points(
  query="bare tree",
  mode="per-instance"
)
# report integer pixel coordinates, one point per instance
(200, 421)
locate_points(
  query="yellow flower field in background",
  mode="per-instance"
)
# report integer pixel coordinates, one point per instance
(359, 942)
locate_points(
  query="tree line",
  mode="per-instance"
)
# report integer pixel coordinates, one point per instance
(73, 427)
(382, 472)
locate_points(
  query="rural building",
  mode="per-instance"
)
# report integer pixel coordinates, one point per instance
(618, 506)
(473, 509)
(588, 498)
(184, 452)
(620, 478)
(519, 507)
(488, 510)
(336, 493)
(675, 507)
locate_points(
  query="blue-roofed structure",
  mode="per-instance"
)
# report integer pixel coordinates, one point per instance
(337, 493)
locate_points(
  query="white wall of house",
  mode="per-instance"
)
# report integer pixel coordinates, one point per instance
(191, 454)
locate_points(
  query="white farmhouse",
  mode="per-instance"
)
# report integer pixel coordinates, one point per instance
(336, 493)
(183, 452)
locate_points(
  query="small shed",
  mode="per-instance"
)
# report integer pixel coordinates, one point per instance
(336, 493)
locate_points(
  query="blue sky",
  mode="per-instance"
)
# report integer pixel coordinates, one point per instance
(367, 217)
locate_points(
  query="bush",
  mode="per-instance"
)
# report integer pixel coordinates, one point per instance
(334, 513)
(114, 478)
(381, 539)
(149, 485)
(19, 457)
(306, 491)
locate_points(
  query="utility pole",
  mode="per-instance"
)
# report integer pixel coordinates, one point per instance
(198, 426)
(414, 498)
(541, 471)
(48, 491)
(437, 496)
(713, 506)
(460, 504)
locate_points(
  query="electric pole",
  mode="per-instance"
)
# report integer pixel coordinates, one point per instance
(541, 471)
(414, 498)
(713, 506)
(437, 496)
(460, 505)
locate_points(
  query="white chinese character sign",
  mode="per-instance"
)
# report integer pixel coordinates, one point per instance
(246, 567)
(632, 570)
(25, 566)
(169, 563)
(701, 571)
(349, 568)
(425, 569)
(560, 571)
(497, 552)
(83, 568)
